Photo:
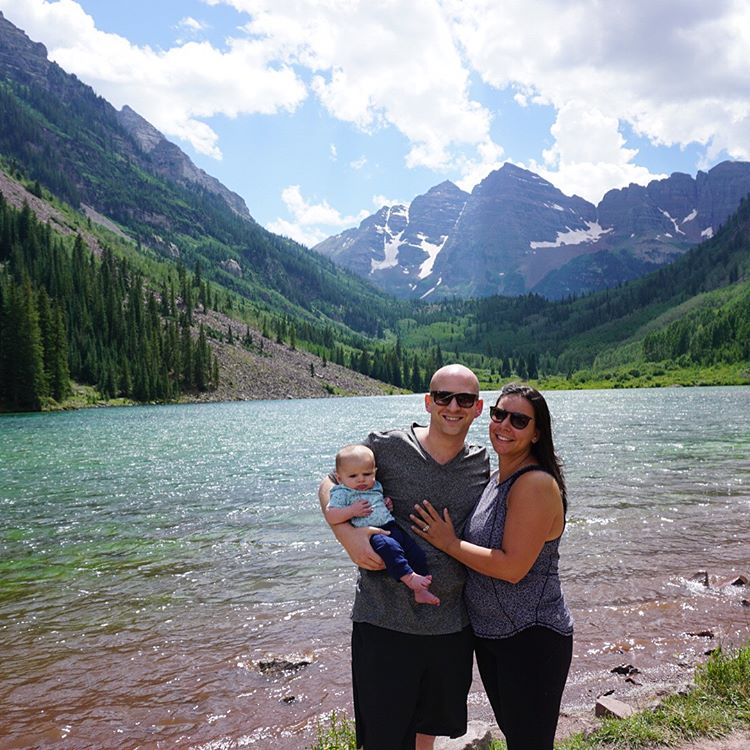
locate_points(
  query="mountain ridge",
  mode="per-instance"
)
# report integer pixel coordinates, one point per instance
(517, 233)
(27, 62)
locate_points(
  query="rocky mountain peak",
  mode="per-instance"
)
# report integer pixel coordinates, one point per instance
(518, 233)
(24, 60)
(171, 162)
(145, 134)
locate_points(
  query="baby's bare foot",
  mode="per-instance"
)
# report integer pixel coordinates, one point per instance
(420, 586)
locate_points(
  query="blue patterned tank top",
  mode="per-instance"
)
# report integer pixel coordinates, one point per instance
(498, 609)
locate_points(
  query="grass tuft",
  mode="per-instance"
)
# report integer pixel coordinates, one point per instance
(337, 734)
(718, 703)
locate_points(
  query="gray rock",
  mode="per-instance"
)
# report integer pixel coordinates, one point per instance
(230, 265)
(478, 737)
(700, 577)
(607, 707)
(701, 633)
(626, 669)
(279, 666)
(735, 581)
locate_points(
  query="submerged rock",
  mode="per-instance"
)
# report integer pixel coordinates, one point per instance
(279, 666)
(736, 581)
(700, 577)
(626, 669)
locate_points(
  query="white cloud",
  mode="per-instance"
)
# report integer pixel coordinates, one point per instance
(308, 236)
(310, 220)
(675, 71)
(357, 164)
(473, 171)
(315, 213)
(378, 201)
(382, 64)
(172, 89)
(334, 152)
(589, 155)
(191, 24)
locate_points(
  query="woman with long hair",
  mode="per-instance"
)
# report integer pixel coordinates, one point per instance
(523, 632)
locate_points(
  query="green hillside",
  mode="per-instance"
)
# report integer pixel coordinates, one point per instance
(60, 134)
(686, 319)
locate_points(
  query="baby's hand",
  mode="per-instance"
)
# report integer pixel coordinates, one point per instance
(388, 503)
(361, 508)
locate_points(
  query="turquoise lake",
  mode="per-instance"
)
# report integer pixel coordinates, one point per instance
(152, 556)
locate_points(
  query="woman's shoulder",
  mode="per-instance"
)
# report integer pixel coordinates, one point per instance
(535, 478)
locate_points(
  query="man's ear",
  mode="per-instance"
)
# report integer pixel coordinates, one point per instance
(478, 408)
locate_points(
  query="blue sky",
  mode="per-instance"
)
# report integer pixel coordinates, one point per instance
(317, 112)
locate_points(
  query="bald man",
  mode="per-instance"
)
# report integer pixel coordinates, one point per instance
(411, 664)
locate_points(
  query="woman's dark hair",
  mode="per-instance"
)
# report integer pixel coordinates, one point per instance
(543, 450)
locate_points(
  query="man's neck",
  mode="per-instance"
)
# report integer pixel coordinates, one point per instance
(442, 448)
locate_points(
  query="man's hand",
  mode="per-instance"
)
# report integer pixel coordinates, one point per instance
(356, 541)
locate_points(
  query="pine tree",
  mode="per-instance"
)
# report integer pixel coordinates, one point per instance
(59, 373)
(201, 360)
(186, 357)
(27, 385)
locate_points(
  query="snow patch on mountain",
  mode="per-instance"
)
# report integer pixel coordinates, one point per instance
(432, 251)
(391, 244)
(574, 236)
(667, 215)
(391, 240)
(432, 289)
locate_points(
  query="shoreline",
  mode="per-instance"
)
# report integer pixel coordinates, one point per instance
(86, 396)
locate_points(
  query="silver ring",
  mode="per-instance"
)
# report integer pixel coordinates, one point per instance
(425, 529)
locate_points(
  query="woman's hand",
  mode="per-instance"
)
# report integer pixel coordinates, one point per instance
(429, 525)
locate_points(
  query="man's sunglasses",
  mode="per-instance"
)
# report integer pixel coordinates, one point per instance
(517, 420)
(443, 398)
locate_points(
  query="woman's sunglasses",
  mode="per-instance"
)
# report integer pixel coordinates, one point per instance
(443, 398)
(517, 420)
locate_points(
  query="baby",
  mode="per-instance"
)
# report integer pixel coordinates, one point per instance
(358, 498)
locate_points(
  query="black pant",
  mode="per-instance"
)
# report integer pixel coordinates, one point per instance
(405, 684)
(524, 677)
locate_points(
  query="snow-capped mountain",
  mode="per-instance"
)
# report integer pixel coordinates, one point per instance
(397, 246)
(516, 233)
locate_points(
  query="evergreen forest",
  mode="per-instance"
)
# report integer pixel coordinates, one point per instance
(65, 313)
